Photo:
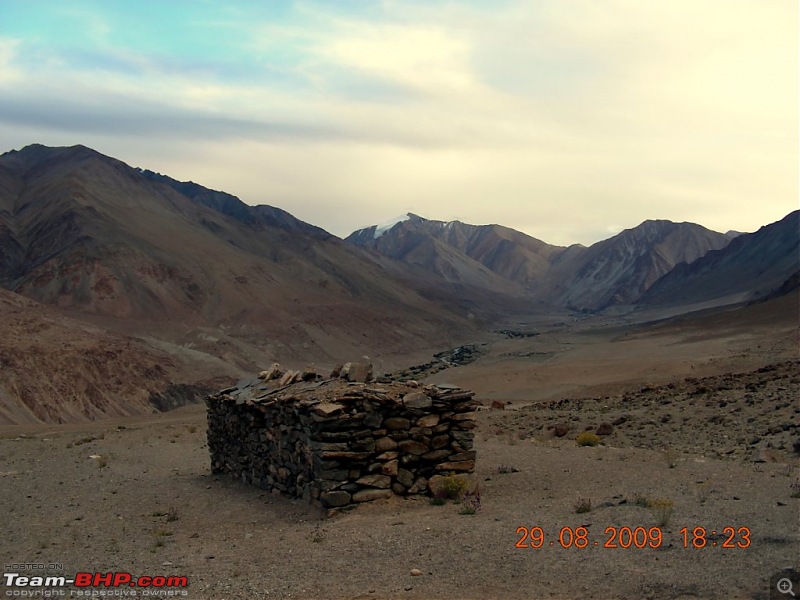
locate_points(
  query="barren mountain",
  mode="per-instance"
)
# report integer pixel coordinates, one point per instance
(95, 237)
(56, 369)
(88, 232)
(486, 255)
(752, 266)
(620, 269)
(260, 217)
(614, 271)
(216, 287)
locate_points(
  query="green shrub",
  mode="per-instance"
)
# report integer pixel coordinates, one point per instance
(587, 438)
(452, 487)
(662, 510)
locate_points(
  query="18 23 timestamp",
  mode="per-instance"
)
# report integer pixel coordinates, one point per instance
(633, 537)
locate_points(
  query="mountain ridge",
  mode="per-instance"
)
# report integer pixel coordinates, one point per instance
(618, 270)
(512, 255)
(209, 286)
(611, 272)
(92, 234)
(752, 266)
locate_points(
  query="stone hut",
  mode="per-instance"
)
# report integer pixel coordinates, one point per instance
(340, 440)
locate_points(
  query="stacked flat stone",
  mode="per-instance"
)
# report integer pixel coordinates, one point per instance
(340, 442)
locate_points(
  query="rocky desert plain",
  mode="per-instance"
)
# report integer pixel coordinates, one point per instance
(136, 494)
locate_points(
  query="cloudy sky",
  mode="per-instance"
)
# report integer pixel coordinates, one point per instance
(567, 119)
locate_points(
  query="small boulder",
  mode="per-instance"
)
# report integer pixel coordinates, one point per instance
(385, 444)
(308, 374)
(765, 455)
(370, 495)
(390, 468)
(413, 447)
(289, 377)
(357, 371)
(396, 423)
(417, 400)
(273, 372)
(405, 477)
(464, 465)
(419, 486)
(605, 429)
(377, 481)
(334, 498)
(561, 429)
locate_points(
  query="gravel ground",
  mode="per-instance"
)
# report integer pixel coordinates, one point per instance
(146, 503)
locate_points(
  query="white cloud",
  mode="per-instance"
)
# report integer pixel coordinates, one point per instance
(8, 72)
(563, 119)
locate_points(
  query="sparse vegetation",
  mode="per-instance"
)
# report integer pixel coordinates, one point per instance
(451, 487)
(160, 537)
(587, 438)
(318, 534)
(671, 456)
(662, 510)
(704, 491)
(170, 515)
(506, 469)
(795, 487)
(471, 502)
(583, 505)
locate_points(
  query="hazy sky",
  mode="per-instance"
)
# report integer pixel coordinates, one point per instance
(567, 119)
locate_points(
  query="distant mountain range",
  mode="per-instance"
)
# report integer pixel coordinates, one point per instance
(458, 252)
(83, 231)
(618, 271)
(751, 267)
(201, 277)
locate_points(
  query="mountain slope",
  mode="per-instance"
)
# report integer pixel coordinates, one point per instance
(261, 216)
(614, 271)
(88, 233)
(620, 269)
(56, 369)
(492, 256)
(752, 266)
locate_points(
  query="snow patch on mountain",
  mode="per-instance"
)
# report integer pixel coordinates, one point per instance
(384, 227)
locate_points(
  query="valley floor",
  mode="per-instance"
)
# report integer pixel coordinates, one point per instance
(137, 495)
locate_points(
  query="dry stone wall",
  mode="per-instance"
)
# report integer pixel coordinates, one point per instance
(340, 442)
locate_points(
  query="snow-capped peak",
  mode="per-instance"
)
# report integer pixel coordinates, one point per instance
(384, 227)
